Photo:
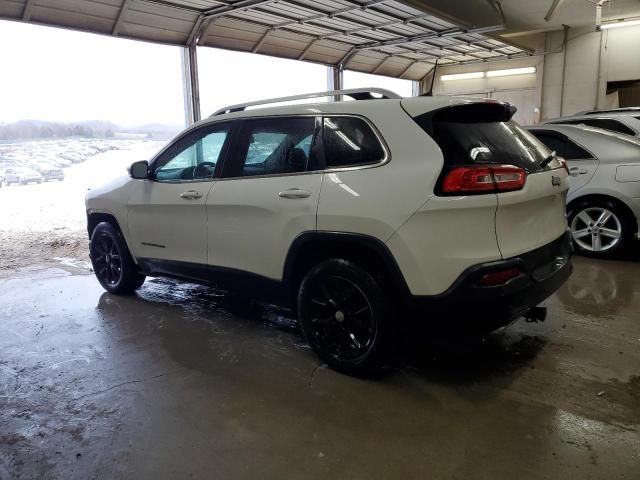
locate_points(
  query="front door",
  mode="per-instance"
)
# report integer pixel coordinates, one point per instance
(268, 194)
(582, 164)
(167, 217)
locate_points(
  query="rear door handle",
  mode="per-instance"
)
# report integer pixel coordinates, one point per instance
(575, 171)
(295, 193)
(190, 195)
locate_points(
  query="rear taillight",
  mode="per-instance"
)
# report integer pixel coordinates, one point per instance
(563, 163)
(484, 179)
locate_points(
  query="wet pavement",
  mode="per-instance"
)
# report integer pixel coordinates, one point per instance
(180, 382)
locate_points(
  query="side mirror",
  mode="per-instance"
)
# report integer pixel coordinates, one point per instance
(139, 170)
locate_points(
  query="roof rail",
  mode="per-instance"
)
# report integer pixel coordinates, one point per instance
(355, 93)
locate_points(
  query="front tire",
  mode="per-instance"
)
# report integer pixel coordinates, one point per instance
(345, 315)
(112, 263)
(599, 228)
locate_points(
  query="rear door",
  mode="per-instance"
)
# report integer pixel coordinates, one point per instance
(268, 194)
(582, 163)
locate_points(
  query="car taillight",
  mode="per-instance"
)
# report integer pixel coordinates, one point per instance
(501, 277)
(484, 179)
(564, 163)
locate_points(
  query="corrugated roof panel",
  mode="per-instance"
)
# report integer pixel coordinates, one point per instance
(200, 4)
(11, 9)
(86, 15)
(320, 30)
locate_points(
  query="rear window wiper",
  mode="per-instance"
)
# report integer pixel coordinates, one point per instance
(547, 159)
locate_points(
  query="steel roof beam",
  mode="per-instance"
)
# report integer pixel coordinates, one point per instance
(407, 69)
(26, 11)
(257, 46)
(379, 66)
(307, 48)
(193, 34)
(120, 19)
(423, 36)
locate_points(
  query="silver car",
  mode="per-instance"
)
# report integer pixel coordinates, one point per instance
(624, 121)
(603, 204)
(21, 176)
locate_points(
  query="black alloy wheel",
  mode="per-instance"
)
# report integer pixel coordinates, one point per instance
(112, 263)
(107, 260)
(344, 315)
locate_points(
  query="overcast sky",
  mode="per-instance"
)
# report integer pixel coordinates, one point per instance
(60, 75)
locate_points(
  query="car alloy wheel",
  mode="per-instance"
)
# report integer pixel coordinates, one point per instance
(342, 318)
(596, 229)
(107, 260)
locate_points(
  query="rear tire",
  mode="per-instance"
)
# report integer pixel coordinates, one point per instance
(599, 228)
(346, 317)
(112, 262)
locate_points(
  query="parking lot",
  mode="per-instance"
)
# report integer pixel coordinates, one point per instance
(45, 224)
(98, 386)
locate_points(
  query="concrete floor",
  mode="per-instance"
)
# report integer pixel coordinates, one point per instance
(169, 384)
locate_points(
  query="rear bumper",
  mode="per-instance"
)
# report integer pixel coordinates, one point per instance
(468, 307)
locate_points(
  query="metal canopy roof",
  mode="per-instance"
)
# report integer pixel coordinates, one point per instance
(375, 36)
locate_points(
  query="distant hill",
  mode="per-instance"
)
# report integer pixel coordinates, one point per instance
(36, 129)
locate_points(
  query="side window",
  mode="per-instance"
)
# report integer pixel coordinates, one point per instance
(609, 124)
(275, 145)
(563, 146)
(193, 157)
(350, 141)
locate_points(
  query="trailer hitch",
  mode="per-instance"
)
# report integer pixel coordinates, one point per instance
(535, 314)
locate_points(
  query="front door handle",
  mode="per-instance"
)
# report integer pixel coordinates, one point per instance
(190, 195)
(575, 171)
(294, 193)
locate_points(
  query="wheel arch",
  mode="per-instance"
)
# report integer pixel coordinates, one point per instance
(310, 248)
(94, 218)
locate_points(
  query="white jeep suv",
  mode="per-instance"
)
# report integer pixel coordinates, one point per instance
(350, 212)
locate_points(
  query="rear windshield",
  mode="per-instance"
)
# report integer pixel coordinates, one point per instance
(482, 133)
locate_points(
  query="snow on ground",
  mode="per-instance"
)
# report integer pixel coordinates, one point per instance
(39, 222)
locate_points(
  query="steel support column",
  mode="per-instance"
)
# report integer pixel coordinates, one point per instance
(190, 85)
(335, 75)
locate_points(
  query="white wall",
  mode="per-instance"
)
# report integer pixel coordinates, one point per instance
(541, 96)
(521, 90)
(623, 53)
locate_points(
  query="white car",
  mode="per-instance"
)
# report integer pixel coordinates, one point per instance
(21, 176)
(348, 211)
(603, 204)
(625, 121)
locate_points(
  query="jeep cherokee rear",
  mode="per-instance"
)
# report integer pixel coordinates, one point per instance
(345, 211)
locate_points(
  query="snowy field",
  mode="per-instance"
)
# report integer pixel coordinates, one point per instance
(60, 205)
(46, 223)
